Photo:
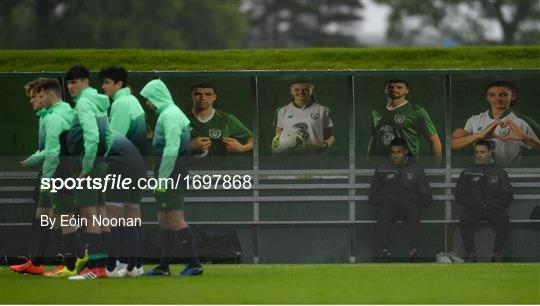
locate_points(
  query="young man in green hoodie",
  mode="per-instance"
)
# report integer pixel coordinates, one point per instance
(33, 266)
(172, 144)
(127, 118)
(56, 117)
(58, 120)
(37, 106)
(89, 141)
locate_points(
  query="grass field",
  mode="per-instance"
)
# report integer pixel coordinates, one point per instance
(509, 283)
(271, 59)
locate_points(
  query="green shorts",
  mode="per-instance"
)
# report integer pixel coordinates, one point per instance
(172, 199)
(124, 196)
(63, 203)
(44, 199)
(91, 197)
(60, 203)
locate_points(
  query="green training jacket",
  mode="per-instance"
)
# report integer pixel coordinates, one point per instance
(127, 118)
(58, 119)
(90, 134)
(37, 157)
(171, 137)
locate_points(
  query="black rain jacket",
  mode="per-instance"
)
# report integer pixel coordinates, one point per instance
(404, 184)
(484, 186)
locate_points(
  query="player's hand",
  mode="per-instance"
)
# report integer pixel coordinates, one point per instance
(515, 132)
(83, 175)
(22, 162)
(201, 143)
(488, 131)
(232, 145)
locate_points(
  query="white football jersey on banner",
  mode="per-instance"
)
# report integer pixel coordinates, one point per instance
(309, 121)
(507, 152)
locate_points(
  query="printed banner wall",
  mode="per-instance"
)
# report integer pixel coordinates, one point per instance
(317, 136)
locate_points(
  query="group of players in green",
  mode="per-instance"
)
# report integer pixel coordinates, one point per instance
(89, 141)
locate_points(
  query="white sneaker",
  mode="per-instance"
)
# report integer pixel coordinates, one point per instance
(135, 272)
(118, 272)
(442, 258)
(121, 266)
(455, 258)
(122, 272)
(113, 273)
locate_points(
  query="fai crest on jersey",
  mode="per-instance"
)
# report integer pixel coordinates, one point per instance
(214, 133)
(493, 179)
(387, 134)
(390, 176)
(476, 179)
(399, 118)
(410, 176)
(505, 131)
(315, 116)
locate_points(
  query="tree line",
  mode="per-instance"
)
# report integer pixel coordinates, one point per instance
(225, 24)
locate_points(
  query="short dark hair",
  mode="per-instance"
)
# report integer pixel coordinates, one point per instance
(77, 72)
(399, 142)
(115, 73)
(203, 85)
(501, 83)
(50, 84)
(506, 84)
(397, 81)
(484, 142)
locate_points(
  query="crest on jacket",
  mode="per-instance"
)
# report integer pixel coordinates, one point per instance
(410, 175)
(390, 176)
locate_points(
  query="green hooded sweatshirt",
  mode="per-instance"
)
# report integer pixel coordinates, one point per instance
(127, 118)
(37, 157)
(90, 134)
(58, 119)
(171, 137)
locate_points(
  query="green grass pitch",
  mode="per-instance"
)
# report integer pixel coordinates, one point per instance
(493, 57)
(507, 283)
